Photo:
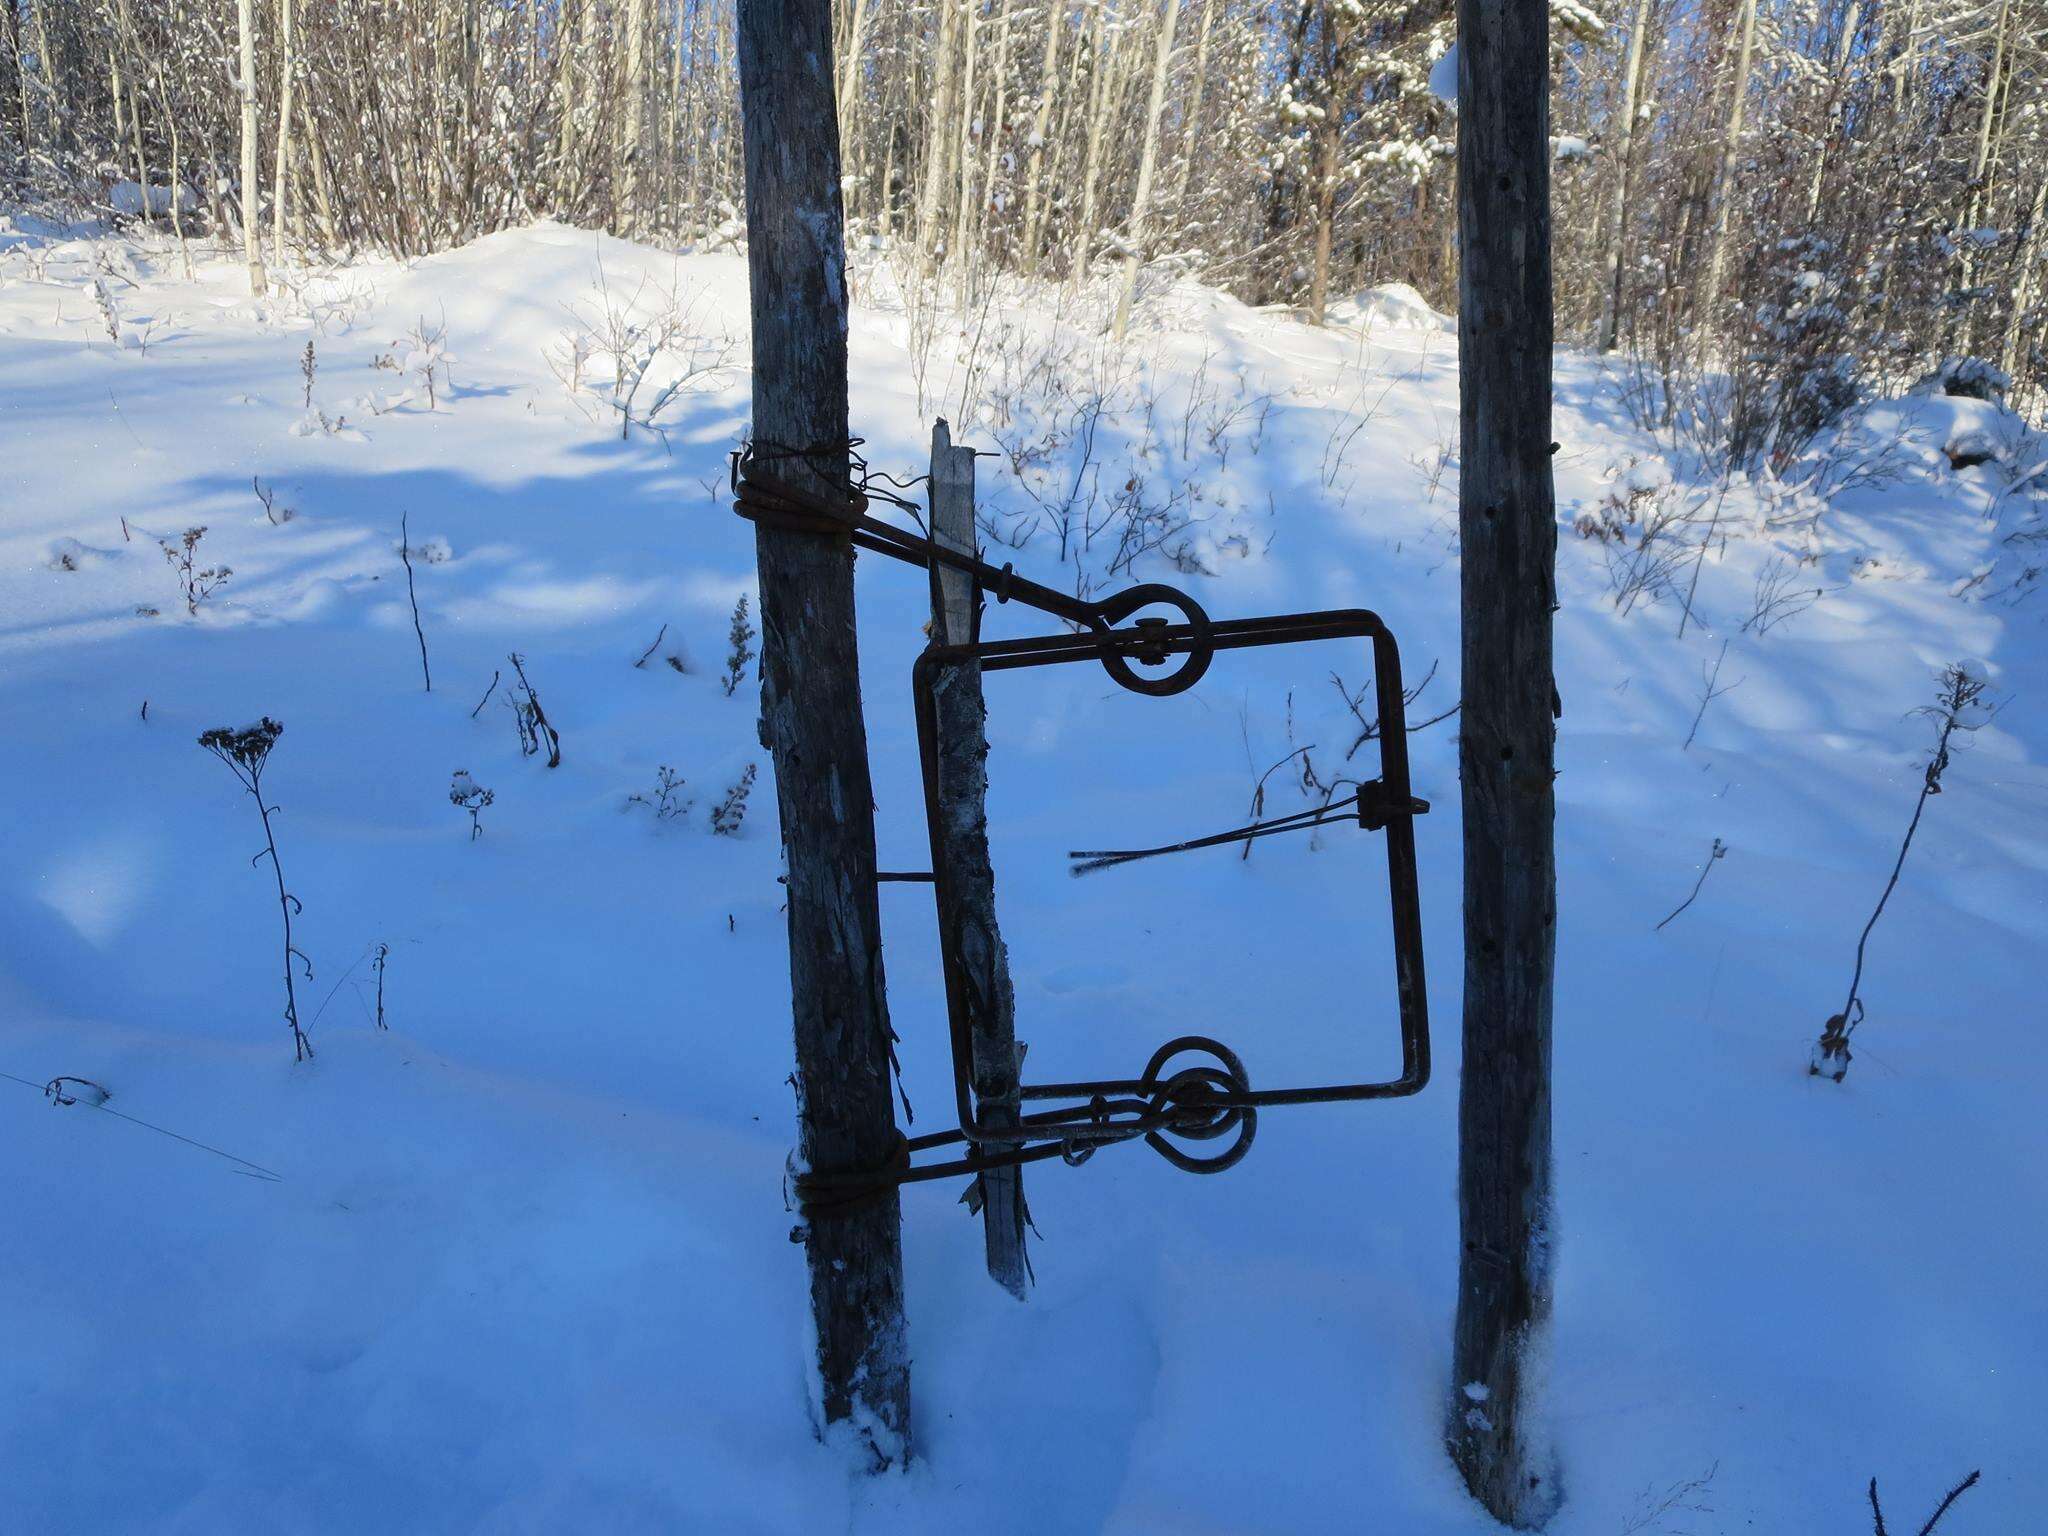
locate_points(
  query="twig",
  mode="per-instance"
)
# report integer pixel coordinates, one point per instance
(1877, 1510)
(652, 648)
(1369, 730)
(1712, 693)
(405, 554)
(1720, 851)
(480, 703)
(1953, 1494)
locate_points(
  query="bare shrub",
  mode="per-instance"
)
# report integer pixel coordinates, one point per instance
(667, 801)
(640, 354)
(195, 581)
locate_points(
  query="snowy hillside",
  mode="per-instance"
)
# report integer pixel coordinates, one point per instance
(520, 1261)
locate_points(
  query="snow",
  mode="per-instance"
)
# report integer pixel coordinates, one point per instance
(126, 198)
(1392, 306)
(525, 1266)
(1443, 76)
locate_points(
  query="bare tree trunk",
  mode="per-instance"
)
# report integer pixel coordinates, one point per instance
(13, 82)
(287, 64)
(245, 86)
(1139, 231)
(1034, 164)
(956, 244)
(1724, 173)
(993, 129)
(1624, 150)
(1832, 121)
(131, 42)
(978, 961)
(1506, 749)
(1102, 67)
(635, 110)
(811, 717)
(2026, 285)
(1192, 125)
(1980, 174)
(1329, 148)
(937, 139)
(52, 81)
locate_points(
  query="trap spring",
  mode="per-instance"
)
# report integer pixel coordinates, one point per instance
(1194, 1090)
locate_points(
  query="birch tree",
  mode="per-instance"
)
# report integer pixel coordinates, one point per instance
(245, 87)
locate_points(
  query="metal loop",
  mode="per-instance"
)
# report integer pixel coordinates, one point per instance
(1184, 1094)
(1196, 657)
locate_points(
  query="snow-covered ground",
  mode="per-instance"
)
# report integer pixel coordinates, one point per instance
(525, 1266)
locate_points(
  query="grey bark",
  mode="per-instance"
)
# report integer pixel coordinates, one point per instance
(968, 898)
(1508, 534)
(811, 717)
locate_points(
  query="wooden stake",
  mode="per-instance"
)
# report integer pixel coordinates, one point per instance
(811, 716)
(1507, 737)
(978, 963)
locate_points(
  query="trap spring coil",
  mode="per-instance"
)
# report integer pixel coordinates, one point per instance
(1201, 1102)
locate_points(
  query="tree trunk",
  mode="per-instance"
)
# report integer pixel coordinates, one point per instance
(811, 717)
(1617, 217)
(978, 960)
(963, 157)
(635, 118)
(1508, 533)
(1103, 82)
(284, 129)
(2025, 282)
(1833, 120)
(1191, 129)
(993, 131)
(1979, 183)
(52, 81)
(13, 96)
(245, 86)
(938, 138)
(1034, 165)
(1724, 173)
(1139, 232)
(323, 199)
(1329, 147)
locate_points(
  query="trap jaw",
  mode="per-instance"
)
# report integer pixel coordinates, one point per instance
(1208, 1097)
